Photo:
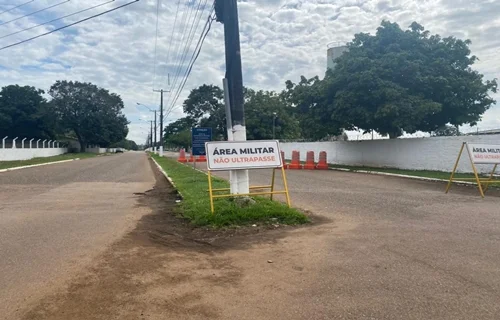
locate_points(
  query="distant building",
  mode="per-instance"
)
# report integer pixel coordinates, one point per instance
(335, 50)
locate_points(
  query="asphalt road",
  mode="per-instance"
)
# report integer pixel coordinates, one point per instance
(393, 248)
(55, 219)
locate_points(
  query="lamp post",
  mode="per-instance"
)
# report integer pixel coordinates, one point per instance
(274, 124)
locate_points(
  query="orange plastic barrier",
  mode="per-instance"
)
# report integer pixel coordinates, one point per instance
(285, 165)
(295, 164)
(309, 161)
(182, 156)
(322, 164)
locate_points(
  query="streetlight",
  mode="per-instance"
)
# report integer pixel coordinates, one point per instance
(274, 124)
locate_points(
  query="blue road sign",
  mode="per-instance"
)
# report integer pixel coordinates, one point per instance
(198, 138)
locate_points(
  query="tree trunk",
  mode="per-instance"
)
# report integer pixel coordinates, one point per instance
(83, 146)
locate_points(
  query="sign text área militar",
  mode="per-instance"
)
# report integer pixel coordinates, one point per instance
(484, 153)
(224, 155)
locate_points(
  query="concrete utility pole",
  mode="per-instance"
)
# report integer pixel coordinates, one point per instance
(161, 120)
(151, 134)
(156, 129)
(227, 13)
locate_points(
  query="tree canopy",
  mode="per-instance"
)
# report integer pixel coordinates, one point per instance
(399, 80)
(93, 114)
(205, 107)
(24, 113)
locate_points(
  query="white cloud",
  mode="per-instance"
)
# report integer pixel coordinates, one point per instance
(281, 40)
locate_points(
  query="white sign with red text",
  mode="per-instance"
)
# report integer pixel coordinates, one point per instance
(484, 153)
(241, 155)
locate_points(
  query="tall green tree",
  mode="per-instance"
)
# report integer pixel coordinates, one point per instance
(93, 114)
(24, 113)
(205, 108)
(265, 109)
(406, 80)
(311, 102)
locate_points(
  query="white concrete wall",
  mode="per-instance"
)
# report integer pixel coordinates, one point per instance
(436, 153)
(26, 154)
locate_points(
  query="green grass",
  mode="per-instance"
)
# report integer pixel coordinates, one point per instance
(417, 173)
(67, 156)
(193, 185)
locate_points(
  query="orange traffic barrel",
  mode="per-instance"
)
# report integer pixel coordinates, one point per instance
(182, 156)
(309, 161)
(295, 164)
(322, 164)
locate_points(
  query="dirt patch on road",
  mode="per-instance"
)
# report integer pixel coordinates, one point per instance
(164, 269)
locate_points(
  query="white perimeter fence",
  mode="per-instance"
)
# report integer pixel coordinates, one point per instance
(434, 153)
(25, 149)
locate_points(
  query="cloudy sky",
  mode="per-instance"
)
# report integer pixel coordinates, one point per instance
(281, 40)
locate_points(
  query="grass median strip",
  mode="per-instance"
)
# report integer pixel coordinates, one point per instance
(196, 205)
(66, 156)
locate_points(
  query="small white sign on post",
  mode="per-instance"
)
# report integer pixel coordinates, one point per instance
(242, 155)
(484, 153)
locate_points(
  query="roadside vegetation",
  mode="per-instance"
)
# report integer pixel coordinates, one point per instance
(195, 206)
(67, 156)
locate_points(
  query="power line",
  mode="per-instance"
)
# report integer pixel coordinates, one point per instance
(57, 19)
(179, 44)
(171, 40)
(69, 25)
(156, 40)
(189, 40)
(194, 57)
(18, 6)
(32, 13)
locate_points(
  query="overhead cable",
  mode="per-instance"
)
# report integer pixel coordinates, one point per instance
(18, 6)
(57, 19)
(69, 25)
(156, 41)
(32, 13)
(194, 57)
(189, 40)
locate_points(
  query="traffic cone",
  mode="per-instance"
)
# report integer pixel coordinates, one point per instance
(295, 164)
(285, 165)
(182, 156)
(201, 159)
(192, 158)
(322, 164)
(309, 161)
